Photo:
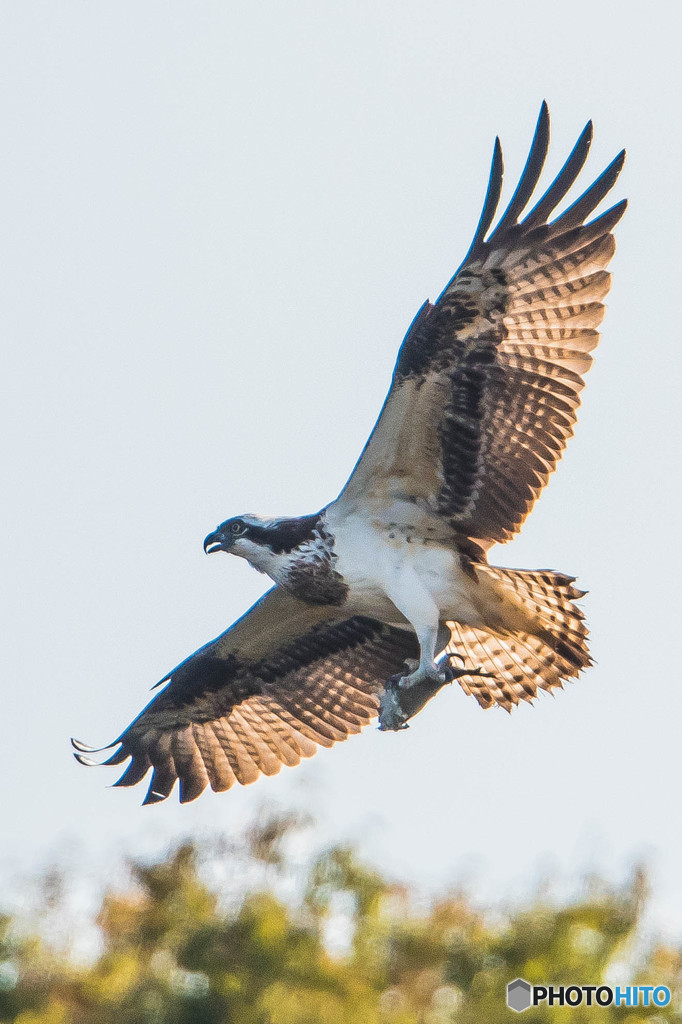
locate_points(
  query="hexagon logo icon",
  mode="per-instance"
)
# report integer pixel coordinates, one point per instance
(518, 995)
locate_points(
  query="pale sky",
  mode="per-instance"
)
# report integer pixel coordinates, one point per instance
(219, 220)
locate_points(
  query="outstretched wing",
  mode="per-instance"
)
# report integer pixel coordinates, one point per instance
(487, 383)
(284, 678)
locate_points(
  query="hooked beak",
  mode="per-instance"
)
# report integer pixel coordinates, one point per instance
(216, 541)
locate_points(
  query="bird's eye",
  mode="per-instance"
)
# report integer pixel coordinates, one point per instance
(237, 527)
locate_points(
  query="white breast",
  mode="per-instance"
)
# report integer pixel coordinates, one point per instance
(384, 555)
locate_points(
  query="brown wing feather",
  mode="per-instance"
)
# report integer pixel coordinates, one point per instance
(488, 380)
(286, 678)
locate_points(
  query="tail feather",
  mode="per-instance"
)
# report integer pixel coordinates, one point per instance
(520, 662)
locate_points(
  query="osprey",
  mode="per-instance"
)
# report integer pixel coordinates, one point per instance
(386, 594)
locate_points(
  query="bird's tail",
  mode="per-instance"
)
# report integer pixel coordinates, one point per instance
(549, 648)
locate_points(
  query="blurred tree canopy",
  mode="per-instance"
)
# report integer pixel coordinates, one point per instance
(332, 942)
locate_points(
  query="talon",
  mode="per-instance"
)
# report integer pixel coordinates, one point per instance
(450, 672)
(410, 677)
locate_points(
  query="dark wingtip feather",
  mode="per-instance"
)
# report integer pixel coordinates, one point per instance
(490, 203)
(608, 220)
(617, 211)
(530, 174)
(492, 197)
(161, 785)
(563, 181)
(87, 761)
(578, 212)
(134, 773)
(80, 749)
(191, 786)
(493, 192)
(153, 798)
(585, 234)
(85, 748)
(118, 756)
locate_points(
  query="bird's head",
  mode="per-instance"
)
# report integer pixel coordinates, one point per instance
(265, 543)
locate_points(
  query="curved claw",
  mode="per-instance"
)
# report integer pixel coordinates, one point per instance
(449, 673)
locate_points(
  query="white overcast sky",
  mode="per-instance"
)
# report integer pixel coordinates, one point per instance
(218, 221)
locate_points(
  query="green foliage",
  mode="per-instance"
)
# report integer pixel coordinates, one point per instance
(346, 946)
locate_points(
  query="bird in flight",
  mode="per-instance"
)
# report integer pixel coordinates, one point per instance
(386, 594)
